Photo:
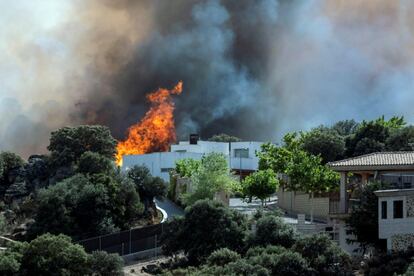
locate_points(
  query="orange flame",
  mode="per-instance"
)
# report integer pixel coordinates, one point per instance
(156, 131)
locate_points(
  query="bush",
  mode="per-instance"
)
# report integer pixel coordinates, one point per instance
(286, 263)
(270, 249)
(222, 257)
(388, 264)
(206, 227)
(54, 255)
(324, 255)
(271, 230)
(102, 263)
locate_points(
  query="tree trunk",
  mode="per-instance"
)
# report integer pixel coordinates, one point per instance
(312, 207)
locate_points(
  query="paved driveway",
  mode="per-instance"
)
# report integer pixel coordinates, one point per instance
(250, 208)
(170, 208)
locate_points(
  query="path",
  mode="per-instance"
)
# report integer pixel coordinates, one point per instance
(170, 208)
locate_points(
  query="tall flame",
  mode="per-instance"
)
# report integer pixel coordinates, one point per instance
(156, 131)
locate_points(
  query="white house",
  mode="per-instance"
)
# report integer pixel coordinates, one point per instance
(396, 218)
(241, 156)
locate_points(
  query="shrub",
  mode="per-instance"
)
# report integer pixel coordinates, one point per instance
(324, 255)
(272, 230)
(222, 257)
(206, 226)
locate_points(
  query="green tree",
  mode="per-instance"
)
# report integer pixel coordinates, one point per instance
(363, 220)
(271, 230)
(325, 142)
(94, 163)
(261, 184)
(305, 171)
(9, 163)
(69, 143)
(147, 186)
(82, 207)
(212, 176)
(371, 136)
(323, 255)
(401, 139)
(101, 263)
(224, 138)
(54, 255)
(285, 263)
(222, 257)
(345, 127)
(206, 227)
(187, 167)
(11, 258)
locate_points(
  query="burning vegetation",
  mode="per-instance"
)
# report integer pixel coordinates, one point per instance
(156, 131)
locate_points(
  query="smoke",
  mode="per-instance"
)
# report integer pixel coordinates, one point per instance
(251, 68)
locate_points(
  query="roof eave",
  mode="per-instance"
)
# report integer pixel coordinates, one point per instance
(372, 168)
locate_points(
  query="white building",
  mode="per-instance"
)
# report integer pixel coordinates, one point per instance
(396, 218)
(241, 156)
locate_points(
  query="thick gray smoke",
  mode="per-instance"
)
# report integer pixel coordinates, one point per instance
(251, 68)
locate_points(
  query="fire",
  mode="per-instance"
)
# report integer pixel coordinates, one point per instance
(156, 131)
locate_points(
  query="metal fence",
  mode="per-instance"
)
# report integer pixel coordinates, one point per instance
(126, 242)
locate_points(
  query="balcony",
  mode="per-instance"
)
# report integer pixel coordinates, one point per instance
(398, 182)
(335, 207)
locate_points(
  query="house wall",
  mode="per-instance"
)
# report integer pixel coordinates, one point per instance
(158, 163)
(399, 232)
(301, 203)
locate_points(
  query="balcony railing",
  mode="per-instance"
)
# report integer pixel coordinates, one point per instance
(398, 181)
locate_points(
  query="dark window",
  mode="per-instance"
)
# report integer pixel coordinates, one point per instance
(241, 153)
(384, 210)
(398, 209)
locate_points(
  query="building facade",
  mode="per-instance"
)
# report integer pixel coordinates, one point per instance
(396, 218)
(396, 170)
(241, 156)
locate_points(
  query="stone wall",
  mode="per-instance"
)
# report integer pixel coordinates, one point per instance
(410, 206)
(401, 242)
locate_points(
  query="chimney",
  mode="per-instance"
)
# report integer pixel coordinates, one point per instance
(194, 139)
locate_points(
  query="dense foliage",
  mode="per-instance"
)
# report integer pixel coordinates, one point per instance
(69, 143)
(76, 190)
(56, 255)
(208, 176)
(83, 206)
(261, 184)
(148, 187)
(363, 220)
(326, 142)
(206, 226)
(305, 171)
(274, 248)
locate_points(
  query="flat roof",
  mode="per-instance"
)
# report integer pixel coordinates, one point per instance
(397, 160)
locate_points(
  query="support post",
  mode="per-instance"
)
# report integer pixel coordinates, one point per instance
(342, 193)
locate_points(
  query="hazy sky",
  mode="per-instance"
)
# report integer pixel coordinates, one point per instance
(252, 68)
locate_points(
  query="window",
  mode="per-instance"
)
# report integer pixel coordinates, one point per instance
(398, 209)
(165, 170)
(384, 210)
(181, 151)
(241, 153)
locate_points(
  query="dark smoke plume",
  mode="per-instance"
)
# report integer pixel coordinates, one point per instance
(251, 68)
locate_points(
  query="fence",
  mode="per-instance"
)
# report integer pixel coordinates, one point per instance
(127, 242)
